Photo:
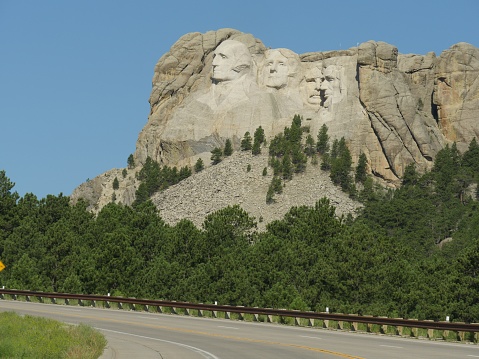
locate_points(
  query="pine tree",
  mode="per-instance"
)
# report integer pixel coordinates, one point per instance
(116, 183)
(185, 172)
(298, 158)
(246, 142)
(410, 176)
(360, 175)
(258, 140)
(322, 145)
(326, 162)
(470, 159)
(341, 164)
(216, 155)
(199, 165)
(131, 161)
(256, 148)
(228, 151)
(259, 135)
(310, 149)
(287, 167)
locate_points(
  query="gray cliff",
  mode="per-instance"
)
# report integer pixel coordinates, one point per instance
(396, 108)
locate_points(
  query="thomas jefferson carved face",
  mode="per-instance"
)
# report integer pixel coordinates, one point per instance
(281, 68)
(276, 70)
(231, 60)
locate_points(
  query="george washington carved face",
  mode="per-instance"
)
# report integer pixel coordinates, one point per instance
(231, 60)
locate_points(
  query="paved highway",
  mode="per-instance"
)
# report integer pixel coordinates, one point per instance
(149, 335)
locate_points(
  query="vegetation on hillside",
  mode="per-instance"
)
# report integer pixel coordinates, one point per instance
(411, 252)
(34, 337)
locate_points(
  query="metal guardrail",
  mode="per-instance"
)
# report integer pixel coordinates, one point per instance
(398, 323)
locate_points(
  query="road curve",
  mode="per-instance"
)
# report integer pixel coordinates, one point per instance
(133, 334)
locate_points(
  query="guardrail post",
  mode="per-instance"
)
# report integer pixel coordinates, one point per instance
(200, 313)
(384, 327)
(353, 325)
(227, 315)
(146, 307)
(80, 302)
(27, 298)
(53, 300)
(187, 311)
(215, 313)
(256, 317)
(40, 299)
(326, 323)
(269, 318)
(430, 332)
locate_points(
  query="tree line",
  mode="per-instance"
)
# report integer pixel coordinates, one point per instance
(412, 252)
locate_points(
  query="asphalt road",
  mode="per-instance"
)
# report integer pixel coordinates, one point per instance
(149, 335)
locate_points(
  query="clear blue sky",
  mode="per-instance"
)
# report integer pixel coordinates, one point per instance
(75, 76)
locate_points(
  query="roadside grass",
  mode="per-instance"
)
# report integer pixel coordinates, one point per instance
(35, 337)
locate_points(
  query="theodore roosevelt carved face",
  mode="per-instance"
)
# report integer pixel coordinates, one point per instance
(231, 60)
(313, 78)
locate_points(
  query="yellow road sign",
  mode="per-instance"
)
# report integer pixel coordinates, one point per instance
(2, 266)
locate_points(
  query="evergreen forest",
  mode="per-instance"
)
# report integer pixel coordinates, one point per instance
(411, 252)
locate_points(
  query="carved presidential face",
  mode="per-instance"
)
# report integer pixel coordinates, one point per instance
(230, 60)
(276, 70)
(313, 79)
(331, 85)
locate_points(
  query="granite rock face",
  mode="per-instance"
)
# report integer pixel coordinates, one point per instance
(397, 109)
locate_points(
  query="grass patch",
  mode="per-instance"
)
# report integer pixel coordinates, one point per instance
(36, 337)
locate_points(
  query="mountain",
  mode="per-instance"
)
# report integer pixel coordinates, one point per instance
(395, 108)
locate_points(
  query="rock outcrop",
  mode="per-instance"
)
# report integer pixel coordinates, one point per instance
(229, 183)
(397, 109)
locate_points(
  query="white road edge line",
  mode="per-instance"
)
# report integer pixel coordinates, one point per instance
(305, 336)
(202, 352)
(390, 346)
(221, 326)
